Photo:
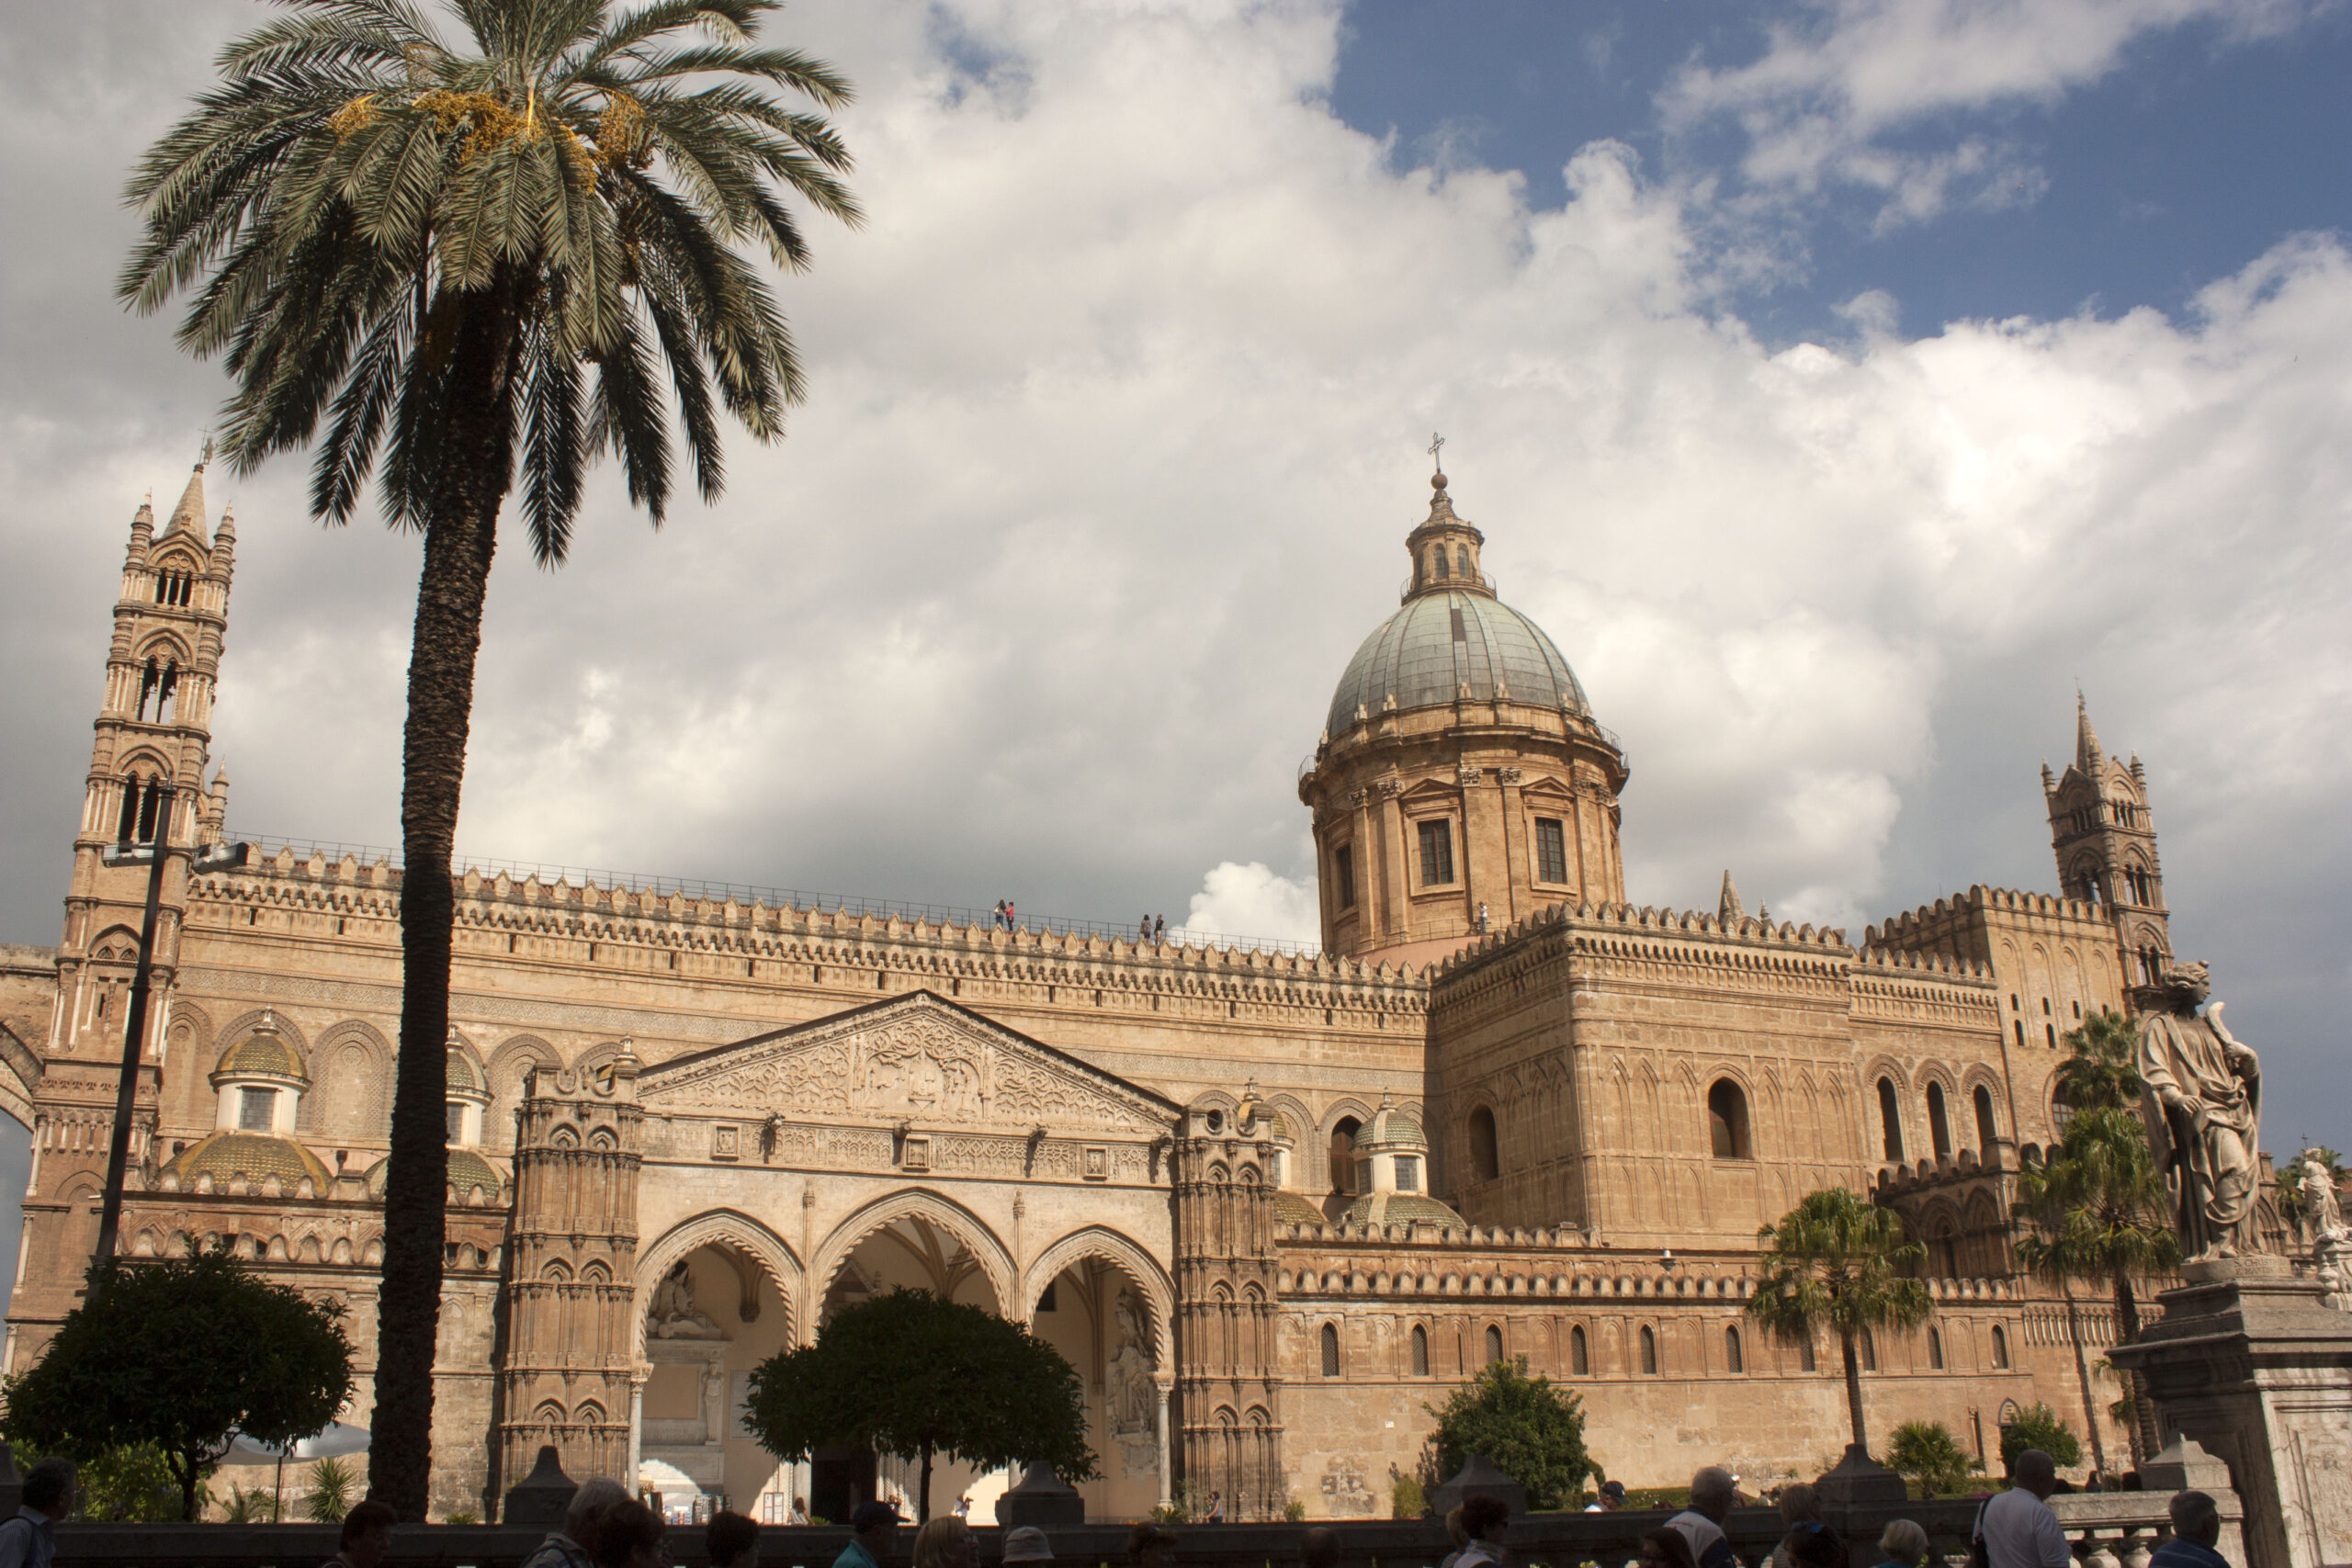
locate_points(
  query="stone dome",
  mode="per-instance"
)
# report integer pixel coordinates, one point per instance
(467, 1170)
(250, 1155)
(1440, 642)
(1389, 1129)
(264, 1054)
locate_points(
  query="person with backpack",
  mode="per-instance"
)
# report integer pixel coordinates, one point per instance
(29, 1541)
(2015, 1529)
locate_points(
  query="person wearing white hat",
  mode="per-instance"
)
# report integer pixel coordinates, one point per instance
(1027, 1544)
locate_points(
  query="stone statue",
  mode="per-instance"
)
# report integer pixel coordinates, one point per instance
(1133, 1398)
(2204, 1094)
(673, 1314)
(2321, 1205)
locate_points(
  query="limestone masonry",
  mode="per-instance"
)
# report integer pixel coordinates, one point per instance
(1269, 1205)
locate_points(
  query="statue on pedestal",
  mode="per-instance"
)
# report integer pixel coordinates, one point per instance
(2331, 1240)
(2204, 1101)
(673, 1314)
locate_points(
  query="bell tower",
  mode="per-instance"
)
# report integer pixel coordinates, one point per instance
(147, 764)
(2105, 840)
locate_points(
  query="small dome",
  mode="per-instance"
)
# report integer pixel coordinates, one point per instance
(465, 1079)
(467, 1170)
(1291, 1208)
(250, 1155)
(1390, 1130)
(1440, 642)
(264, 1054)
(1398, 1209)
(1270, 1124)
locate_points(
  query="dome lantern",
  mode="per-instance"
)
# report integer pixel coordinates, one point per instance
(260, 1080)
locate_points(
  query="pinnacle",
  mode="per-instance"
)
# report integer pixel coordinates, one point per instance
(1730, 908)
(2087, 755)
(188, 516)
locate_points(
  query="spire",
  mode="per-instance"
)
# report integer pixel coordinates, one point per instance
(1730, 908)
(2088, 756)
(188, 516)
(1445, 545)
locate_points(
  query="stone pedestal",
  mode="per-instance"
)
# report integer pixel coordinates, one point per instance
(2248, 1362)
(1478, 1478)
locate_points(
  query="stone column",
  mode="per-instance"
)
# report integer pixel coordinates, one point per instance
(1166, 1470)
(636, 1431)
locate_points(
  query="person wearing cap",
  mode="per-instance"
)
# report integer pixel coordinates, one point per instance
(1610, 1498)
(1027, 1544)
(870, 1527)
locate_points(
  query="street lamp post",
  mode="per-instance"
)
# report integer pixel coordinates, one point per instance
(152, 855)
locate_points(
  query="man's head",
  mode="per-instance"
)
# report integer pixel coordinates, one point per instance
(368, 1533)
(1483, 1518)
(1800, 1503)
(48, 1487)
(873, 1523)
(1712, 1491)
(2196, 1516)
(731, 1541)
(2035, 1472)
(1613, 1496)
(1319, 1548)
(597, 1496)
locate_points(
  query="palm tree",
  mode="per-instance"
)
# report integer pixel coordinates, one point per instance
(2102, 1067)
(2098, 1211)
(1840, 1262)
(462, 255)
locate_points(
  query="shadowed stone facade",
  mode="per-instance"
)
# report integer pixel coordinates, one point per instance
(1267, 1204)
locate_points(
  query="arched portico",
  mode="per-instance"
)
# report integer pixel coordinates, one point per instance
(1114, 1306)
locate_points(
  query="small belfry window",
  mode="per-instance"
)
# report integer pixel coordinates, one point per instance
(1421, 1351)
(1330, 1351)
(1551, 850)
(1344, 878)
(1437, 854)
(1984, 1129)
(1409, 1173)
(254, 1107)
(1890, 1119)
(1727, 1120)
(1939, 1123)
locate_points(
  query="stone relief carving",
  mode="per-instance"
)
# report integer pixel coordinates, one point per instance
(1135, 1401)
(2205, 1119)
(673, 1314)
(928, 1066)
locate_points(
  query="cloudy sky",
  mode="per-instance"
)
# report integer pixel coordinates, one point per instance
(1839, 383)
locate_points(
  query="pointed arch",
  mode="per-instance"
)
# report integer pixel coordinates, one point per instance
(350, 1097)
(1096, 1241)
(729, 1228)
(933, 1209)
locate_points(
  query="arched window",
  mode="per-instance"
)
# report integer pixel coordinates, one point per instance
(1986, 1131)
(150, 807)
(1890, 1120)
(1438, 552)
(1733, 1362)
(1727, 1120)
(1935, 1351)
(1343, 1155)
(1939, 1123)
(1485, 1158)
(1805, 1358)
(1462, 564)
(128, 824)
(2000, 1348)
(1649, 1353)
(1579, 1358)
(1421, 1351)
(1870, 1352)
(1330, 1351)
(1493, 1344)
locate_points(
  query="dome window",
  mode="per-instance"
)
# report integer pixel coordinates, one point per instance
(1461, 559)
(1551, 850)
(1409, 1173)
(1437, 562)
(255, 1108)
(1437, 854)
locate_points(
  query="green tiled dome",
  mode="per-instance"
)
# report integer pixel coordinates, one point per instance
(1438, 643)
(1290, 1208)
(467, 1170)
(1398, 1208)
(465, 1079)
(263, 1053)
(250, 1155)
(1390, 1129)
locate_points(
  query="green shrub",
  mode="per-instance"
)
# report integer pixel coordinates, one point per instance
(2038, 1427)
(332, 1484)
(1293, 1510)
(1405, 1498)
(1930, 1454)
(1529, 1428)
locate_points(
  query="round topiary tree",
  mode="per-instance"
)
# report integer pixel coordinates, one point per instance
(1529, 1428)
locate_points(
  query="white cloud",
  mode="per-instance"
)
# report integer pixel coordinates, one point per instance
(1116, 427)
(1841, 81)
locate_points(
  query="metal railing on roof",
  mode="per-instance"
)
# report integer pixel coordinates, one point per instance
(579, 878)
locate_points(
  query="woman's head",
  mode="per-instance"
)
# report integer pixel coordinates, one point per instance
(1800, 1503)
(1903, 1541)
(628, 1536)
(947, 1543)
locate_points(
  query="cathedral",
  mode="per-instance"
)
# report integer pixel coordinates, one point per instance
(1272, 1206)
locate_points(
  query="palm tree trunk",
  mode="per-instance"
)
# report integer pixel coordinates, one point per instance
(2145, 1441)
(475, 465)
(1853, 1386)
(2082, 1371)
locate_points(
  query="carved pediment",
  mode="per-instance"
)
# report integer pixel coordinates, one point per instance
(918, 1058)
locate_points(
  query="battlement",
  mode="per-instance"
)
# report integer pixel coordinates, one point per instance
(1931, 921)
(1662, 920)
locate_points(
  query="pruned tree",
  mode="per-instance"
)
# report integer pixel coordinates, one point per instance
(1530, 1428)
(2037, 1426)
(182, 1355)
(1930, 1454)
(1838, 1262)
(514, 242)
(915, 1376)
